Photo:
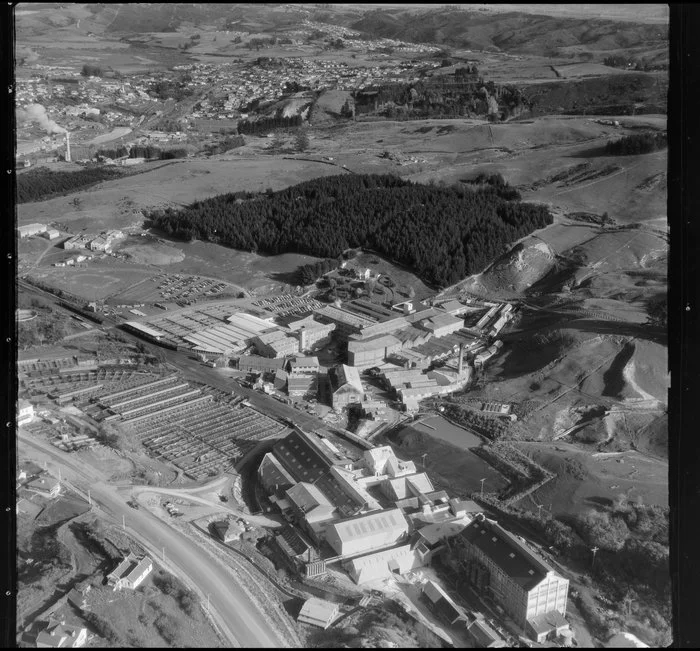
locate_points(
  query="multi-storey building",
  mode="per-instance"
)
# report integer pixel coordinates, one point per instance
(501, 565)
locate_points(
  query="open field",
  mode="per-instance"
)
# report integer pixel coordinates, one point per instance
(583, 480)
(449, 462)
(97, 281)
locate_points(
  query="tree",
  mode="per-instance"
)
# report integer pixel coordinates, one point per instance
(301, 140)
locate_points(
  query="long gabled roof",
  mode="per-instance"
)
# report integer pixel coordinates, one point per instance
(346, 376)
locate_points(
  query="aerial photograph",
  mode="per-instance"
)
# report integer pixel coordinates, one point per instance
(341, 325)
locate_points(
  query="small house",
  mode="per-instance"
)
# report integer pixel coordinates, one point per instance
(130, 573)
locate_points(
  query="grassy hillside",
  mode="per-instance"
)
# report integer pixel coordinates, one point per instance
(512, 32)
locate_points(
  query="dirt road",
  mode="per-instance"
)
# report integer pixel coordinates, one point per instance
(241, 622)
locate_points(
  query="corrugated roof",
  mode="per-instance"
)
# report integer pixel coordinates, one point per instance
(348, 375)
(363, 526)
(318, 611)
(307, 497)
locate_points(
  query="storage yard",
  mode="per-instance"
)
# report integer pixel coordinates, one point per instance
(198, 430)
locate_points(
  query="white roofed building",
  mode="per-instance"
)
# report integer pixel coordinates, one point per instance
(383, 564)
(369, 532)
(318, 612)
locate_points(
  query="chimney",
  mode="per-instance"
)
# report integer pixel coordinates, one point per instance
(460, 366)
(68, 147)
(302, 338)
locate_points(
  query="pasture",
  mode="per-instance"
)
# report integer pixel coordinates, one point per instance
(95, 282)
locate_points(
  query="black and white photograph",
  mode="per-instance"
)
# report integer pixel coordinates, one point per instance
(341, 325)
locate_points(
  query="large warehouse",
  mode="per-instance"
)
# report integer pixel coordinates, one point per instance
(366, 533)
(513, 575)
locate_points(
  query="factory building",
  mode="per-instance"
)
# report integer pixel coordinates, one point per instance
(303, 365)
(257, 364)
(272, 475)
(366, 353)
(382, 564)
(367, 533)
(442, 325)
(144, 331)
(346, 323)
(276, 344)
(346, 386)
(514, 576)
(311, 333)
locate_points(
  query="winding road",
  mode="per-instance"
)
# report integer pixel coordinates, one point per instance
(237, 617)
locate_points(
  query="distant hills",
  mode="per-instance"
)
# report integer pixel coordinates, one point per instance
(511, 32)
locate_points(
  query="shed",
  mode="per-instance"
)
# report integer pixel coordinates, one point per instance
(318, 612)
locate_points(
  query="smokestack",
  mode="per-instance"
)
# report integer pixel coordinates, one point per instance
(460, 366)
(67, 147)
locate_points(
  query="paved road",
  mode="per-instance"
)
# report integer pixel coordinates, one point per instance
(239, 619)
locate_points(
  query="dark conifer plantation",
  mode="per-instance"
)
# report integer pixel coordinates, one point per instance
(444, 234)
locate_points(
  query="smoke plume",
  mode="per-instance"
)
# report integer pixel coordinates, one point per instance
(37, 113)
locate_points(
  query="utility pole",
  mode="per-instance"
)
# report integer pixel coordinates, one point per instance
(208, 603)
(89, 499)
(123, 522)
(539, 511)
(425, 454)
(482, 486)
(164, 553)
(594, 550)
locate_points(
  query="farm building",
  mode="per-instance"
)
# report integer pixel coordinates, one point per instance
(30, 229)
(365, 533)
(515, 576)
(46, 486)
(51, 234)
(302, 385)
(318, 612)
(61, 635)
(346, 386)
(130, 573)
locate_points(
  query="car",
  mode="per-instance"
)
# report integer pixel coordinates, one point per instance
(133, 504)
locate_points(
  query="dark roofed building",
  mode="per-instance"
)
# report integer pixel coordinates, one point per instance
(442, 605)
(272, 474)
(513, 575)
(484, 636)
(259, 364)
(306, 459)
